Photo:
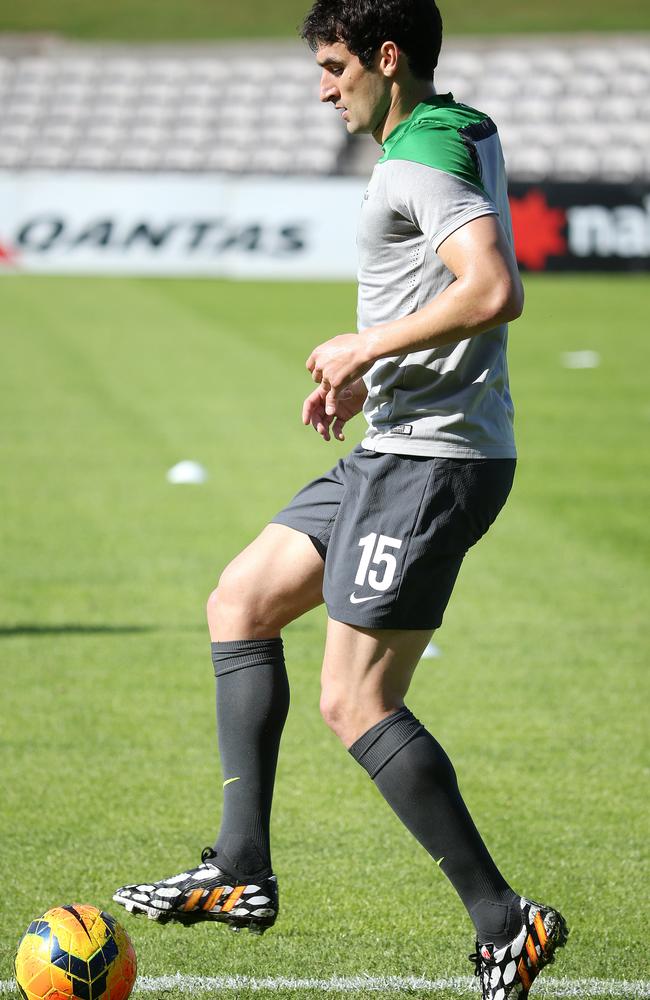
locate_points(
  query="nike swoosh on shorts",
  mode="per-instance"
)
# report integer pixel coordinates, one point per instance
(359, 600)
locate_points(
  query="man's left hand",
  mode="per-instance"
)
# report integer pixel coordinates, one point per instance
(337, 363)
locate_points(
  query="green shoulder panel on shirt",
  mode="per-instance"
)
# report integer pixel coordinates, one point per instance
(442, 134)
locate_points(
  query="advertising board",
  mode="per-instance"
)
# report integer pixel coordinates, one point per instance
(582, 227)
(175, 224)
(285, 228)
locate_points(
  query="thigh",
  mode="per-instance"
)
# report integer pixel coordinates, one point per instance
(367, 672)
(279, 576)
(274, 580)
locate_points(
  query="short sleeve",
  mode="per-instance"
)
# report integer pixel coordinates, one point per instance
(435, 201)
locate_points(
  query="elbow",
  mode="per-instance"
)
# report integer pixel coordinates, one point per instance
(507, 302)
(516, 303)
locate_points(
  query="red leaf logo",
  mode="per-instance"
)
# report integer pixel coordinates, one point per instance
(8, 256)
(538, 229)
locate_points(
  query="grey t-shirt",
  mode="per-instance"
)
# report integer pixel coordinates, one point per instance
(441, 168)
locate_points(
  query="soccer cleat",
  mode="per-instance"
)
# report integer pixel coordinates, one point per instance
(205, 893)
(509, 971)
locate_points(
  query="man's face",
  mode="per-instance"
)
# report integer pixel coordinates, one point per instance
(361, 95)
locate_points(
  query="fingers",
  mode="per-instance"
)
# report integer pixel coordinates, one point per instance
(313, 412)
(330, 401)
(321, 424)
(314, 364)
(314, 401)
(319, 409)
(325, 424)
(321, 429)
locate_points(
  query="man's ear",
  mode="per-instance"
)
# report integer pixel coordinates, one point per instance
(389, 57)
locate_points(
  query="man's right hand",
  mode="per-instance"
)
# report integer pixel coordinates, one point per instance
(349, 402)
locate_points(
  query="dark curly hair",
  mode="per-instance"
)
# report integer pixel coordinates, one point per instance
(363, 25)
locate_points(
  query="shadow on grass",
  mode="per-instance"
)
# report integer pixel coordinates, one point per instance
(72, 628)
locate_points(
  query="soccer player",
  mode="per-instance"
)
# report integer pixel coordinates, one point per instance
(381, 537)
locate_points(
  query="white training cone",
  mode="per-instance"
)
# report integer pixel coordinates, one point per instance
(581, 359)
(186, 472)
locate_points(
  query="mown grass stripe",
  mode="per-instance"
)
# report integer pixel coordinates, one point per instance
(461, 985)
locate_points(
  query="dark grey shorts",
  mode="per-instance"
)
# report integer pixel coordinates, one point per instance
(393, 531)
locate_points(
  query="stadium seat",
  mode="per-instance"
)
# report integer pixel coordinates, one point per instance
(93, 157)
(500, 86)
(616, 108)
(221, 107)
(14, 131)
(34, 66)
(590, 85)
(576, 108)
(146, 136)
(140, 158)
(210, 71)
(226, 158)
(22, 109)
(499, 108)
(598, 57)
(58, 132)
(551, 59)
(273, 160)
(80, 67)
(622, 163)
(181, 157)
(531, 163)
(104, 133)
(71, 92)
(575, 163)
(48, 155)
(11, 156)
(466, 62)
(544, 85)
(197, 90)
(166, 71)
(638, 56)
(536, 109)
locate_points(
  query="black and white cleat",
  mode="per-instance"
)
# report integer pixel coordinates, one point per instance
(205, 893)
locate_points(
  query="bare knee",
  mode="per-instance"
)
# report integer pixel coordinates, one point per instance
(347, 716)
(334, 711)
(238, 607)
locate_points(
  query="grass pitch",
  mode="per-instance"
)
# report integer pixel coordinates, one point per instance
(168, 20)
(109, 769)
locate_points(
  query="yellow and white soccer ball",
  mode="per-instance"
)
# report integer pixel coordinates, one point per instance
(75, 952)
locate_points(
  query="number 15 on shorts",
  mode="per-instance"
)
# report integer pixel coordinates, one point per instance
(376, 553)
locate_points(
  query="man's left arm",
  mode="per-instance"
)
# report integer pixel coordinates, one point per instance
(486, 292)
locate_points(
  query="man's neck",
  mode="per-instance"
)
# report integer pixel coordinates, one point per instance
(403, 100)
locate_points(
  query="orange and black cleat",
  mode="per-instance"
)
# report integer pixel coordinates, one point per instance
(509, 971)
(205, 893)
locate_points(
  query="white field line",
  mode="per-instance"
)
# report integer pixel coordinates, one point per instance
(460, 985)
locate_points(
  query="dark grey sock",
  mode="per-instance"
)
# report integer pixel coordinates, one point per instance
(252, 706)
(417, 779)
